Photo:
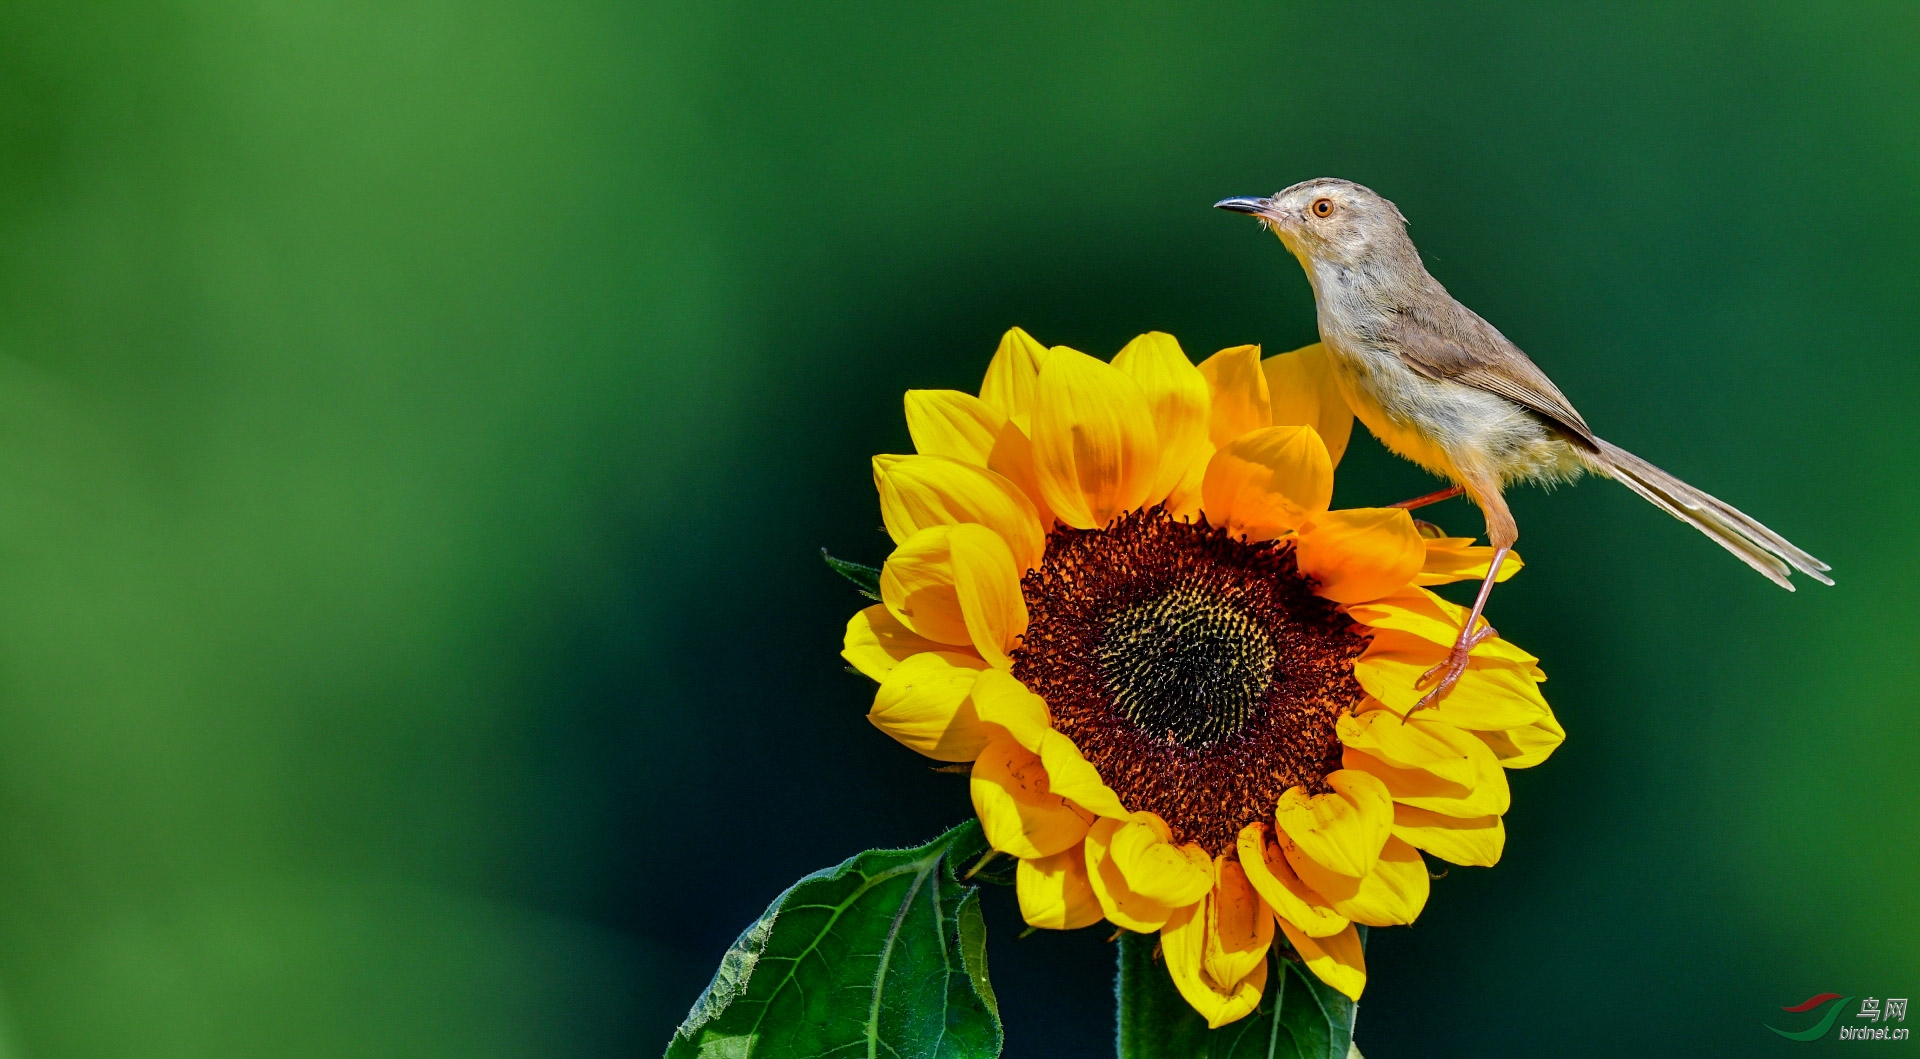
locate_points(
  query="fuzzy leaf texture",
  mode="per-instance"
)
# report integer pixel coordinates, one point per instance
(866, 578)
(1299, 1017)
(883, 956)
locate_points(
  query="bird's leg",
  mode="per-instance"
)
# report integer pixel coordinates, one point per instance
(1444, 676)
(1431, 498)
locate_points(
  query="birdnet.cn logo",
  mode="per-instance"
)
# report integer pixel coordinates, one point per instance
(1873, 1021)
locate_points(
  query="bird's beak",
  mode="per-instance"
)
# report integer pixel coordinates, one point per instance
(1256, 207)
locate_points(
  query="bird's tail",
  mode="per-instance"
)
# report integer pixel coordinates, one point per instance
(1756, 545)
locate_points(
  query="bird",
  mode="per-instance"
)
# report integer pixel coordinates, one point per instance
(1442, 387)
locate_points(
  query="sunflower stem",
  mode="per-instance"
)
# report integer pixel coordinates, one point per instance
(1153, 1020)
(1299, 1017)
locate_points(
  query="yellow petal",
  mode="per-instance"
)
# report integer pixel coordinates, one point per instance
(1008, 387)
(1157, 869)
(1012, 459)
(1184, 502)
(917, 585)
(1358, 554)
(1421, 743)
(1075, 778)
(1338, 961)
(1422, 788)
(1475, 841)
(951, 423)
(1054, 892)
(1001, 700)
(1274, 879)
(1451, 559)
(876, 642)
(1392, 893)
(988, 588)
(1117, 900)
(1268, 481)
(919, 492)
(1301, 391)
(1492, 695)
(1177, 395)
(1435, 620)
(1343, 830)
(1239, 401)
(1018, 810)
(1183, 943)
(1094, 448)
(1239, 925)
(1519, 748)
(924, 704)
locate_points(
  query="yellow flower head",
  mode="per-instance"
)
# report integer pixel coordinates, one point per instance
(1182, 681)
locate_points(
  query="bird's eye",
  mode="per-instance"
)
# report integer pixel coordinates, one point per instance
(1322, 207)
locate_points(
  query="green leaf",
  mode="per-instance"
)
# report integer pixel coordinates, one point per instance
(1299, 1017)
(862, 575)
(884, 955)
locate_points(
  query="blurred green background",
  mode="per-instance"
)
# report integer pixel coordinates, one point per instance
(418, 421)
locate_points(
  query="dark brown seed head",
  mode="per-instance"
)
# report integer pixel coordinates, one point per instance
(1197, 672)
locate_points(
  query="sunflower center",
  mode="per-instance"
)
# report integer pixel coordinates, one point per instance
(1188, 666)
(1199, 673)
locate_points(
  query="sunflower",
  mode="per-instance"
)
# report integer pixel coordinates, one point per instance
(1186, 687)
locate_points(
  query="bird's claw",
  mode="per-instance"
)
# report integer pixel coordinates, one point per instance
(1441, 678)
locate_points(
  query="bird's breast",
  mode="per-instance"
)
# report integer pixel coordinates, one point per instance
(1386, 396)
(1451, 429)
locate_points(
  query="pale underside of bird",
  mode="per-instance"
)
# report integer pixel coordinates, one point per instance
(1442, 387)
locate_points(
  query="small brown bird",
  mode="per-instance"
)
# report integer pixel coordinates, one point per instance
(1439, 386)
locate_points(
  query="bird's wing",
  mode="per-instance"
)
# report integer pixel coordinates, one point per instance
(1460, 347)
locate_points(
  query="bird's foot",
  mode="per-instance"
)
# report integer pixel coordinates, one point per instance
(1441, 678)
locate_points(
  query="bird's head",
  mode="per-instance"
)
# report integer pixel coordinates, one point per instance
(1328, 219)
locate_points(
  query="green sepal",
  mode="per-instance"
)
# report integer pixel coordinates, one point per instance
(866, 578)
(1299, 1017)
(990, 867)
(884, 955)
